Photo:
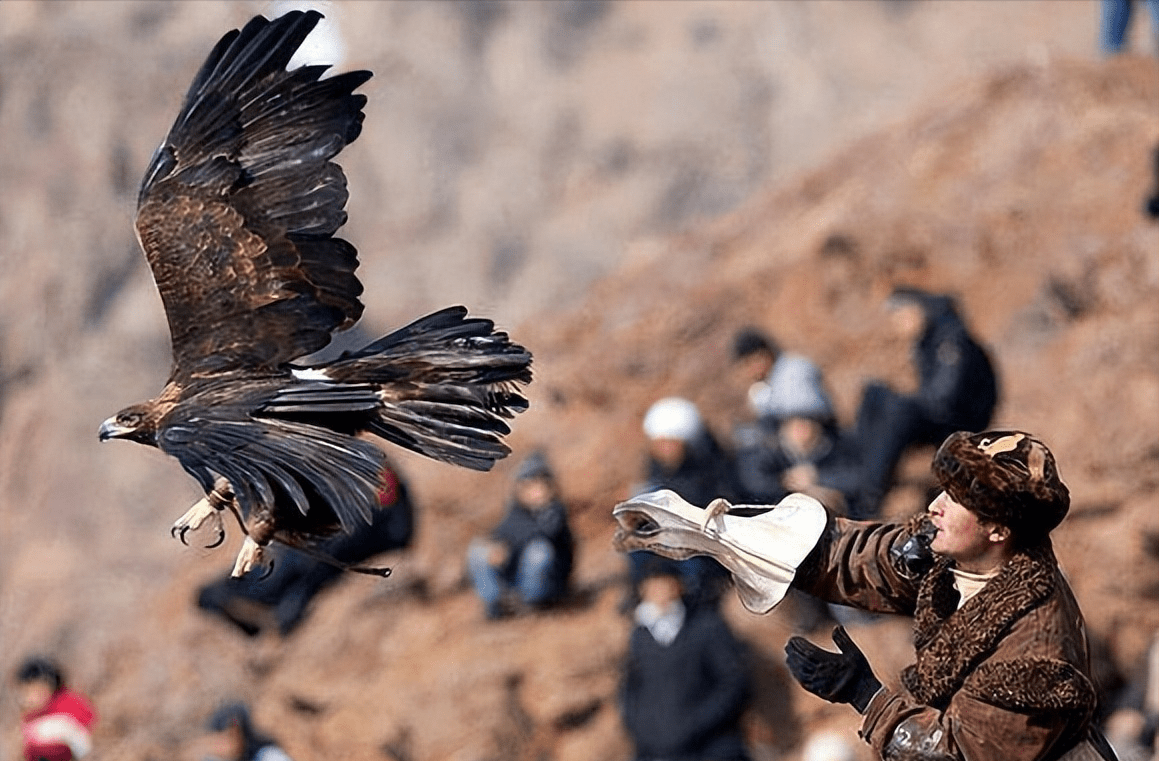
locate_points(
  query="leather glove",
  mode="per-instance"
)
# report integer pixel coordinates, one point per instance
(843, 677)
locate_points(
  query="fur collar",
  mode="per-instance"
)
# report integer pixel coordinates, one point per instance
(952, 643)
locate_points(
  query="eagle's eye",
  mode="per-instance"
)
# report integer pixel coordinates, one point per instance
(129, 419)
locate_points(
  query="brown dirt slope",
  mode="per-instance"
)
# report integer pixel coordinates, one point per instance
(1019, 192)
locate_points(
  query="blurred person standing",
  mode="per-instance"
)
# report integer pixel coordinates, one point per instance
(685, 685)
(1116, 23)
(231, 736)
(56, 722)
(957, 387)
(529, 554)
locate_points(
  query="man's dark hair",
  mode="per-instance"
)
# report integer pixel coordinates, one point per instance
(39, 669)
(750, 340)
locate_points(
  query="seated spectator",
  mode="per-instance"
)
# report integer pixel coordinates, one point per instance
(796, 446)
(685, 457)
(56, 722)
(280, 595)
(761, 362)
(529, 554)
(232, 737)
(685, 684)
(957, 390)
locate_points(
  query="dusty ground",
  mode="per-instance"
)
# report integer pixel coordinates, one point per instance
(623, 187)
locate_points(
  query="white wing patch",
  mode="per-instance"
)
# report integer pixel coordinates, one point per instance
(311, 374)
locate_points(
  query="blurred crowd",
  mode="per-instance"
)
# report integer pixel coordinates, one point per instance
(687, 679)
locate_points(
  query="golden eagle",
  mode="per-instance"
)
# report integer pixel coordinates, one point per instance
(237, 217)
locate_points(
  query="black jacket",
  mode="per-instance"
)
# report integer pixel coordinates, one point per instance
(761, 462)
(705, 474)
(684, 702)
(520, 525)
(958, 387)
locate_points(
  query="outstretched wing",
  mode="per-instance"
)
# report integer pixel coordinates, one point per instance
(239, 206)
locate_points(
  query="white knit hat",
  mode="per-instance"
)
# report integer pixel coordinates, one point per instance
(794, 389)
(673, 418)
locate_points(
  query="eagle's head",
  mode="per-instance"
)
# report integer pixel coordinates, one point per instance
(136, 423)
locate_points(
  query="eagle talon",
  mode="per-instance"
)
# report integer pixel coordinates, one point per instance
(217, 542)
(204, 510)
(250, 556)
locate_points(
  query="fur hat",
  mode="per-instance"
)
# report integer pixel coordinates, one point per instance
(1008, 477)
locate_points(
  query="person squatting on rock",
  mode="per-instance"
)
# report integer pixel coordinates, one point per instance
(530, 552)
(56, 722)
(231, 736)
(685, 684)
(684, 456)
(957, 387)
(280, 597)
(1002, 669)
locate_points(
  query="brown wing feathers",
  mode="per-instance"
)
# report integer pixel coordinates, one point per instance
(237, 216)
(247, 167)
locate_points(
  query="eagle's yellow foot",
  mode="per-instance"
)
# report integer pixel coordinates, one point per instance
(205, 510)
(250, 556)
(716, 508)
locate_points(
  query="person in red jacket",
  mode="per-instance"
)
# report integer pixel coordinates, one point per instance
(56, 722)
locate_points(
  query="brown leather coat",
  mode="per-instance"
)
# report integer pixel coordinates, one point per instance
(1006, 678)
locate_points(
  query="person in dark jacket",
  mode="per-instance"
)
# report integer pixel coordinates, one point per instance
(685, 685)
(281, 596)
(1002, 665)
(957, 390)
(795, 445)
(530, 553)
(684, 456)
(232, 737)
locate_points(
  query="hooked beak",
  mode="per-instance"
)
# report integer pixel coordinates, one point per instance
(110, 430)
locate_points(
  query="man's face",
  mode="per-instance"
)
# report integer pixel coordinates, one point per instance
(960, 535)
(661, 591)
(755, 366)
(667, 452)
(34, 695)
(908, 320)
(534, 493)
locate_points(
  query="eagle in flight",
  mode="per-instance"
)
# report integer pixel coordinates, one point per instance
(237, 217)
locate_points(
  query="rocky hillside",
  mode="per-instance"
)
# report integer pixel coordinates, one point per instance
(1018, 188)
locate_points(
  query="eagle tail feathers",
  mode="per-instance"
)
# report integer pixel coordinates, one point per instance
(447, 384)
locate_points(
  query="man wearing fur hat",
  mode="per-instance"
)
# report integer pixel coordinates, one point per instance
(1002, 663)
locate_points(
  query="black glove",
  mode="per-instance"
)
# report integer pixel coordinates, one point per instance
(843, 677)
(913, 557)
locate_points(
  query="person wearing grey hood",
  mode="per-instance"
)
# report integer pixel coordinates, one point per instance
(957, 387)
(529, 555)
(795, 444)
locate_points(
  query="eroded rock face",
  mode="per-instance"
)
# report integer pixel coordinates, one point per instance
(546, 154)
